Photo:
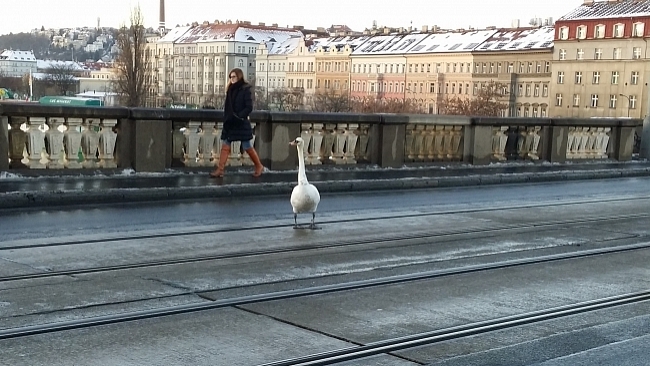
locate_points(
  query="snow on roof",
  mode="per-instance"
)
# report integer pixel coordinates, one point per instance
(16, 55)
(519, 39)
(46, 64)
(285, 47)
(173, 34)
(237, 32)
(340, 42)
(466, 41)
(610, 9)
(390, 44)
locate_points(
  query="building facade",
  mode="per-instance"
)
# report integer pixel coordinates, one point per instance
(15, 63)
(600, 60)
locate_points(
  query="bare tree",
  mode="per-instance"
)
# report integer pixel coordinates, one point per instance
(486, 102)
(62, 77)
(287, 99)
(331, 102)
(385, 105)
(133, 63)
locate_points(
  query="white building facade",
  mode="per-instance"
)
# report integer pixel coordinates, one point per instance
(14, 63)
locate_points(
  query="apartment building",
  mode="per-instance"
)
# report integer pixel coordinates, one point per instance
(333, 63)
(520, 60)
(15, 63)
(202, 55)
(600, 60)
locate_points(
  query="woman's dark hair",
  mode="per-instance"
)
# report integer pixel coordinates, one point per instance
(240, 76)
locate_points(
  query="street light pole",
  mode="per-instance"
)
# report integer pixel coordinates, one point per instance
(644, 151)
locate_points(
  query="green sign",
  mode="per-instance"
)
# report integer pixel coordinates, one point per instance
(71, 101)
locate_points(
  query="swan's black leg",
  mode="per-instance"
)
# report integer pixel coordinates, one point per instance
(313, 218)
(295, 220)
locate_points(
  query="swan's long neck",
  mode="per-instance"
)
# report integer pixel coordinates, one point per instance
(302, 175)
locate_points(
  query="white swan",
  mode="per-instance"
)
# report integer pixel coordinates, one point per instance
(305, 196)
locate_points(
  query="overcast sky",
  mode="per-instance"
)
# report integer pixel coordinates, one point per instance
(22, 16)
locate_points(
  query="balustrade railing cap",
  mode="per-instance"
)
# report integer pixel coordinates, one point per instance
(511, 121)
(38, 110)
(436, 119)
(394, 119)
(597, 122)
(325, 117)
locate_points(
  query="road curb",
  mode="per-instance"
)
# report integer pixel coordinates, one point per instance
(35, 199)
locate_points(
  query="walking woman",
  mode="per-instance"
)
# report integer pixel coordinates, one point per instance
(236, 125)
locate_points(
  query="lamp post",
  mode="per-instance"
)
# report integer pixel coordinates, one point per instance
(628, 104)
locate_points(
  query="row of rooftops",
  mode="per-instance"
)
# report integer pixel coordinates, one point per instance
(609, 9)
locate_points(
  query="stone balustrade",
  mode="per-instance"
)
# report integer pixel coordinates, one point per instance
(34, 137)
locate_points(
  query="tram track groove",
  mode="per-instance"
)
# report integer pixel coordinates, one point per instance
(325, 222)
(296, 293)
(293, 249)
(432, 337)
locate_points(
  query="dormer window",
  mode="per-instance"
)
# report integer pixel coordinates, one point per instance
(618, 30)
(638, 29)
(599, 31)
(564, 33)
(581, 32)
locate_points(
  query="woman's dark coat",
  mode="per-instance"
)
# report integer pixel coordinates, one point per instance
(238, 105)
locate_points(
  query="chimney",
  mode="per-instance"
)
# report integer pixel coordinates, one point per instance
(275, 25)
(262, 24)
(161, 25)
(515, 23)
(425, 28)
(587, 2)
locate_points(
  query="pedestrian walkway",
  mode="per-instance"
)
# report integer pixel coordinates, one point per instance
(125, 186)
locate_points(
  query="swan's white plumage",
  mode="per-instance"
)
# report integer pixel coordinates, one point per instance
(305, 196)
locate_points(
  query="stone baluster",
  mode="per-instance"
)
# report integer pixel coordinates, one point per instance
(428, 142)
(307, 133)
(572, 142)
(456, 138)
(584, 139)
(54, 143)
(107, 139)
(206, 143)
(192, 139)
(499, 140)
(338, 152)
(314, 157)
(419, 142)
(438, 143)
(17, 143)
(448, 142)
(363, 134)
(72, 143)
(602, 142)
(35, 142)
(90, 142)
(351, 139)
(409, 145)
(329, 139)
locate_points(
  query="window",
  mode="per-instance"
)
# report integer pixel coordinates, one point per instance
(632, 104)
(636, 53)
(594, 100)
(612, 101)
(432, 88)
(528, 90)
(581, 32)
(595, 77)
(576, 100)
(560, 77)
(562, 54)
(536, 92)
(547, 67)
(520, 90)
(618, 30)
(545, 90)
(538, 68)
(564, 33)
(634, 80)
(598, 54)
(617, 53)
(511, 68)
(615, 77)
(599, 31)
(558, 99)
(580, 54)
(637, 30)
(578, 77)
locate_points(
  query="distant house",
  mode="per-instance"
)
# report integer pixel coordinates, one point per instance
(15, 63)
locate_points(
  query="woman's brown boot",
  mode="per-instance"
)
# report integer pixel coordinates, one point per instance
(259, 168)
(223, 158)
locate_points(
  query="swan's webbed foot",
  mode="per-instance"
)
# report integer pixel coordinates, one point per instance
(313, 224)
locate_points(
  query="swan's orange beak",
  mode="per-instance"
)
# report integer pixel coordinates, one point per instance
(293, 143)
